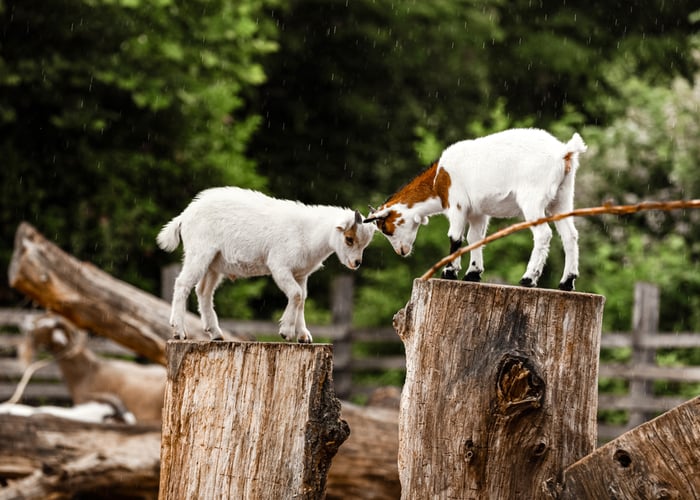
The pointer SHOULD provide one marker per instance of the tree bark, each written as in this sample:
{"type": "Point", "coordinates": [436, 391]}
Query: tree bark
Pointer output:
{"type": "Point", "coordinates": [52, 458]}
{"type": "Point", "coordinates": [248, 420]}
{"type": "Point", "coordinates": [91, 298]}
{"type": "Point", "coordinates": [501, 389]}
{"type": "Point", "coordinates": [658, 459]}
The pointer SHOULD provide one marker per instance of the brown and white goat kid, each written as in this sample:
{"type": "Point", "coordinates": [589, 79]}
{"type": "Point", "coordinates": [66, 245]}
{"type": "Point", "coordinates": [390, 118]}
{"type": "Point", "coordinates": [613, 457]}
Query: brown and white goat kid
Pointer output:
{"type": "Point", "coordinates": [241, 233]}
{"type": "Point", "coordinates": [518, 172]}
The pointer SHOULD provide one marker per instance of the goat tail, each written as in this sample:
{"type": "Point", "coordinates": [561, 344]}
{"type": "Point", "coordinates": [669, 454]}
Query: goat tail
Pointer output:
{"type": "Point", "coordinates": [169, 237]}
{"type": "Point", "coordinates": [576, 145]}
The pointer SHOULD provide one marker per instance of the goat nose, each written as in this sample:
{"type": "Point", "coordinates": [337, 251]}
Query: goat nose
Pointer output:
{"type": "Point", "coordinates": [357, 263]}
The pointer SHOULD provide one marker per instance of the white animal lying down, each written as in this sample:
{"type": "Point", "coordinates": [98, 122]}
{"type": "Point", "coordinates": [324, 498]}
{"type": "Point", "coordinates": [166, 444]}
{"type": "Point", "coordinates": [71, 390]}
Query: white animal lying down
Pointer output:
{"type": "Point", "coordinates": [519, 172]}
{"type": "Point", "coordinates": [98, 411]}
{"type": "Point", "coordinates": [241, 233]}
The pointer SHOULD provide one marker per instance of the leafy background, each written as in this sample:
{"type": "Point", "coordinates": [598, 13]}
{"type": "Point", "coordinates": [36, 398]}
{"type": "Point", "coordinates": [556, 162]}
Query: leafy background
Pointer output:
{"type": "Point", "coordinates": [115, 113]}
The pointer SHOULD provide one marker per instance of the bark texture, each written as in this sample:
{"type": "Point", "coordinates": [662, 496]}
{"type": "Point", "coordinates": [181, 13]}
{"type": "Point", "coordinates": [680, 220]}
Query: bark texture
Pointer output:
{"type": "Point", "coordinates": [658, 459]}
{"type": "Point", "coordinates": [91, 298]}
{"type": "Point", "coordinates": [248, 420]}
{"type": "Point", "coordinates": [501, 389]}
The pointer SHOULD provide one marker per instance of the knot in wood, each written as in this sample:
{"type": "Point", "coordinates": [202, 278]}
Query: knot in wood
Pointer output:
{"type": "Point", "coordinates": [519, 388]}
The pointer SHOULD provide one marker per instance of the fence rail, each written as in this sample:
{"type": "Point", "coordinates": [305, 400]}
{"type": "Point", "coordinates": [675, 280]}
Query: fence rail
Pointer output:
{"type": "Point", "coordinates": [350, 364]}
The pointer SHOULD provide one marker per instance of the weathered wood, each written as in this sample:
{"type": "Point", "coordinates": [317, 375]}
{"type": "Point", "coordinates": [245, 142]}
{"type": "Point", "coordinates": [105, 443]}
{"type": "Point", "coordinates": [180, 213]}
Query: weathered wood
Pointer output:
{"type": "Point", "coordinates": [645, 320]}
{"type": "Point", "coordinates": [365, 466]}
{"type": "Point", "coordinates": [248, 420]}
{"type": "Point", "coordinates": [501, 388]}
{"type": "Point", "coordinates": [658, 459]}
{"type": "Point", "coordinates": [48, 457]}
{"type": "Point", "coordinates": [91, 298]}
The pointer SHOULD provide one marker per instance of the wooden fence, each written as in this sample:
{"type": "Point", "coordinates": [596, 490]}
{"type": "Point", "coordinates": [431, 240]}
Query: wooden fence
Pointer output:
{"type": "Point", "coordinates": [359, 354]}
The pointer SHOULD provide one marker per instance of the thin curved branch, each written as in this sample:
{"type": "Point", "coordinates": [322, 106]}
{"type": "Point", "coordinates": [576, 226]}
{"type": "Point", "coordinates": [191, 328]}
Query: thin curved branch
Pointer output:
{"type": "Point", "coordinates": [580, 212]}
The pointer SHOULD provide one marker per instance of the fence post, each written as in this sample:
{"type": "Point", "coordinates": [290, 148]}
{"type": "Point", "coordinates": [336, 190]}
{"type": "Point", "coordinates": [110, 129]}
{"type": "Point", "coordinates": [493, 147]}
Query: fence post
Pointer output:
{"type": "Point", "coordinates": [248, 420]}
{"type": "Point", "coordinates": [645, 321]}
{"type": "Point", "coordinates": [342, 291]}
{"type": "Point", "coordinates": [501, 389]}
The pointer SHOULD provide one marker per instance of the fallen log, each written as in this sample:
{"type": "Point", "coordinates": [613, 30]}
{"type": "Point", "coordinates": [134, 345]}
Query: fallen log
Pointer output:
{"type": "Point", "coordinates": [91, 298]}
{"type": "Point", "coordinates": [37, 452]}
{"type": "Point", "coordinates": [658, 459]}
{"type": "Point", "coordinates": [48, 457]}
{"type": "Point", "coordinates": [365, 466]}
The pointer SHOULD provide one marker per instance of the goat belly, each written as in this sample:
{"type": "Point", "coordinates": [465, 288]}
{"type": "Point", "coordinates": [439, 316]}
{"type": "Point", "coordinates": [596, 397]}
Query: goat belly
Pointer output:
{"type": "Point", "coordinates": [239, 268]}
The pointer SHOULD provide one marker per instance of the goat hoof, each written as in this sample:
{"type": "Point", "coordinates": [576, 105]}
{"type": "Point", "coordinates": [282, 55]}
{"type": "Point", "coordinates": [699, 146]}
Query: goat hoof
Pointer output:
{"type": "Point", "coordinates": [449, 274]}
{"type": "Point", "coordinates": [527, 282]}
{"type": "Point", "coordinates": [568, 284]}
{"type": "Point", "coordinates": [472, 276]}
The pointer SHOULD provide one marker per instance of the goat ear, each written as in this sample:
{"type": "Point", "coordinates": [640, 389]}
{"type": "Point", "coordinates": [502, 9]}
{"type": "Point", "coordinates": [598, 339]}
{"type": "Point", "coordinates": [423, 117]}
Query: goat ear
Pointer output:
{"type": "Point", "coordinates": [420, 220]}
{"type": "Point", "coordinates": [358, 217]}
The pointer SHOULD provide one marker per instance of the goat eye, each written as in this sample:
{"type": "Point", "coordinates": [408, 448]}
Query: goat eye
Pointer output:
{"type": "Point", "coordinates": [349, 241]}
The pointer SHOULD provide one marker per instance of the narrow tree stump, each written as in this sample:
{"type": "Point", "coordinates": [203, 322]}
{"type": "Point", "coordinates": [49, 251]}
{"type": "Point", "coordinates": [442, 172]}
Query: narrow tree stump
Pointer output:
{"type": "Point", "coordinates": [91, 298]}
{"type": "Point", "coordinates": [248, 420]}
{"type": "Point", "coordinates": [501, 389]}
{"type": "Point", "coordinates": [658, 459]}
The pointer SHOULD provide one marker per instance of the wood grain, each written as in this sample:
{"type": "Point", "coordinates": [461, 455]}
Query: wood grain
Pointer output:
{"type": "Point", "coordinates": [248, 420]}
{"type": "Point", "coordinates": [501, 388]}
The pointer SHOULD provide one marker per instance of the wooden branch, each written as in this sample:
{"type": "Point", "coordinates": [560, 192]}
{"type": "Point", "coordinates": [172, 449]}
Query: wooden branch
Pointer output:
{"type": "Point", "coordinates": [249, 420]}
{"type": "Point", "coordinates": [658, 459]}
{"type": "Point", "coordinates": [581, 212]}
{"type": "Point", "coordinates": [501, 388]}
{"type": "Point", "coordinates": [49, 457]}
{"type": "Point", "coordinates": [90, 298]}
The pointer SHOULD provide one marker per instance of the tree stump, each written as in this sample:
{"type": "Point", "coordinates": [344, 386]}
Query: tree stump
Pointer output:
{"type": "Point", "coordinates": [501, 389]}
{"type": "Point", "coordinates": [248, 420]}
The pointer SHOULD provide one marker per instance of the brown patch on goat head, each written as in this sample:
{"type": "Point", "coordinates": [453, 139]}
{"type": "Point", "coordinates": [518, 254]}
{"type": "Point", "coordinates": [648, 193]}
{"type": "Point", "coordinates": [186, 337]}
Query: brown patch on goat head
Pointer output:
{"type": "Point", "coordinates": [387, 225]}
{"type": "Point", "coordinates": [567, 163]}
{"type": "Point", "coordinates": [351, 233]}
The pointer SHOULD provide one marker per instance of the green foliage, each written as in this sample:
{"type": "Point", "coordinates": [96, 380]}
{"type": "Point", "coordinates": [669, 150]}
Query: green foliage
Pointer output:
{"type": "Point", "coordinates": [113, 114]}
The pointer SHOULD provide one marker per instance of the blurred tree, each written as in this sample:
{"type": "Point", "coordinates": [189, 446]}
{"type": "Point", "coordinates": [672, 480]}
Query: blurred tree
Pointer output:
{"type": "Point", "coordinates": [114, 113]}
{"type": "Point", "coordinates": [351, 83]}
{"type": "Point", "coordinates": [554, 56]}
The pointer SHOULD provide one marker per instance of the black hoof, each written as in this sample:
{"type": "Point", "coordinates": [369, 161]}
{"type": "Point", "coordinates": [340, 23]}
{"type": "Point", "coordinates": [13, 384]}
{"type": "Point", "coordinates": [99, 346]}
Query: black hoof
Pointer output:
{"type": "Point", "coordinates": [527, 282]}
{"type": "Point", "coordinates": [568, 284]}
{"type": "Point", "coordinates": [217, 339]}
{"type": "Point", "coordinates": [472, 276]}
{"type": "Point", "coordinates": [302, 341]}
{"type": "Point", "coordinates": [449, 274]}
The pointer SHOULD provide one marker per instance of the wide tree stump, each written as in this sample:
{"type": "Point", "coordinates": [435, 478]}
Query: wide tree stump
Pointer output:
{"type": "Point", "coordinates": [501, 389]}
{"type": "Point", "coordinates": [91, 298]}
{"type": "Point", "coordinates": [248, 420]}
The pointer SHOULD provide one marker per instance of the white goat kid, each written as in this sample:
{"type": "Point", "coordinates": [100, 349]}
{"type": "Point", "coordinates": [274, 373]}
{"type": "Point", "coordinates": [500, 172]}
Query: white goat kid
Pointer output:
{"type": "Point", "coordinates": [241, 233]}
{"type": "Point", "coordinates": [519, 172]}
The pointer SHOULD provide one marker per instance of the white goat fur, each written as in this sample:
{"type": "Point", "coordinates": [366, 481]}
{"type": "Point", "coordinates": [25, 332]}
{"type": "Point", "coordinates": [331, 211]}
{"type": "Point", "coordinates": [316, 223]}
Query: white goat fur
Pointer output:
{"type": "Point", "coordinates": [241, 233]}
{"type": "Point", "coordinates": [518, 172]}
